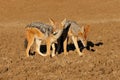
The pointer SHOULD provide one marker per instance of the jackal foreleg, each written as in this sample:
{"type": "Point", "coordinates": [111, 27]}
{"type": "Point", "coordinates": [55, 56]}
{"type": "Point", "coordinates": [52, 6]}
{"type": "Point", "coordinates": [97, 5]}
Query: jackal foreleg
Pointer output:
{"type": "Point", "coordinates": [53, 50]}
{"type": "Point", "coordinates": [48, 46]}
{"type": "Point", "coordinates": [76, 45]}
{"type": "Point", "coordinates": [65, 47]}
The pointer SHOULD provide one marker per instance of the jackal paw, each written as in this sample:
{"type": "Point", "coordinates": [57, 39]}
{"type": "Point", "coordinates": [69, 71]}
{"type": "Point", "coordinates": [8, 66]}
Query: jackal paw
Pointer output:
{"type": "Point", "coordinates": [53, 55]}
{"type": "Point", "coordinates": [81, 54]}
{"type": "Point", "coordinates": [65, 53]}
{"type": "Point", "coordinates": [28, 55]}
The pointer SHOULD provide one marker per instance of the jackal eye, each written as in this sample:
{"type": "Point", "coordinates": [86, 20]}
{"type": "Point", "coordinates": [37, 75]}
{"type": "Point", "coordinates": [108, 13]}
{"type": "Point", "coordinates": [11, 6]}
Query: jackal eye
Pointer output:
{"type": "Point", "coordinates": [54, 33]}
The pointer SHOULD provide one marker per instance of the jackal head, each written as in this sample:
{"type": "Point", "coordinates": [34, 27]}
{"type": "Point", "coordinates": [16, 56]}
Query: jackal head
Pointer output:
{"type": "Point", "coordinates": [84, 34]}
{"type": "Point", "coordinates": [57, 27]}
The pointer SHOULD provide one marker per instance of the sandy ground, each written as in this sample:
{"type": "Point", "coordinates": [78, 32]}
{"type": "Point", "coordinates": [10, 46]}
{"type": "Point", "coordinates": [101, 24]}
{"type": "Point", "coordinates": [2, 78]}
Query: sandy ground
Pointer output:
{"type": "Point", "coordinates": [100, 63]}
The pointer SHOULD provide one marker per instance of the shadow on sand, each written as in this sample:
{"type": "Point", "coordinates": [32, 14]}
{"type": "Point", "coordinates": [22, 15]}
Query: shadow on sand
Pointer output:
{"type": "Point", "coordinates": [90, 45]}
{"type": "Point", "coordinates": [71, 46]}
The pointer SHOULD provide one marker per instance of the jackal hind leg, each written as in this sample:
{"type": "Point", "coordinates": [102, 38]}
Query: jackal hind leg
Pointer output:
{"type": "Point", "coordinates": [38, 44]}
{"type": "Point", "coordinates": [30, 40]}
{"type": "Point", "coordinates": [76, 45]}
{"type": "Point", "coordinates": [48, 44]}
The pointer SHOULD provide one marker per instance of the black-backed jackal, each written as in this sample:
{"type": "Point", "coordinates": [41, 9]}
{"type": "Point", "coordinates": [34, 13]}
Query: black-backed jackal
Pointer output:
{"type": "Point", "coordinates": [38, 32]}
{"type": "Point", "coordinates": [75, 32]}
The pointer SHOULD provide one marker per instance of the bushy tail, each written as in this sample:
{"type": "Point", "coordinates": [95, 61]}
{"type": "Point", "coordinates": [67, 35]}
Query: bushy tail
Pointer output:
{"type": "Point", "coordinates": [25, 43]}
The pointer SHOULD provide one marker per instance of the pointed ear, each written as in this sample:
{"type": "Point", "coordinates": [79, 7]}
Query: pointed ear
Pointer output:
{"type": "Point", "coordinates": [52, 22]}
{"type": "Point", "coordinates": [82, 29]}
{"type": "Point", "coordinates": [63, 22]}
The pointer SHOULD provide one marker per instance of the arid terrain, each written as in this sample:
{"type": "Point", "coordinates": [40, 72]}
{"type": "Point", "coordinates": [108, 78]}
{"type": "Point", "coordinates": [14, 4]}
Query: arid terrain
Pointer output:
{"type": "Point", "coordinates": [100, 62]}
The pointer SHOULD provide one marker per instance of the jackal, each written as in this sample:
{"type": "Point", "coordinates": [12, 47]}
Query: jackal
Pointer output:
{"type": "Point", "coordinates": [38, 32]}
{"type": "Point", "coordinates": [75, 32]}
